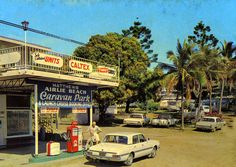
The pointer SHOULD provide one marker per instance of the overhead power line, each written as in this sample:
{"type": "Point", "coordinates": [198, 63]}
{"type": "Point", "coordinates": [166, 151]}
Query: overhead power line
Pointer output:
{"type": "Point", "coordinates": [41, 32]}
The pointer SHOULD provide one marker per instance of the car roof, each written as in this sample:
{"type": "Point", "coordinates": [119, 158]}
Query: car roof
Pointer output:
{"type": "Point", "coordinates": [211, 117]}
{"type": "Point", "coordinates": [124, 133]}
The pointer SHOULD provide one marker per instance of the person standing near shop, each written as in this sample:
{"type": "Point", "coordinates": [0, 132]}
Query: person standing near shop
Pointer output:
{"type": "Point", "coordinates": [94, 131]}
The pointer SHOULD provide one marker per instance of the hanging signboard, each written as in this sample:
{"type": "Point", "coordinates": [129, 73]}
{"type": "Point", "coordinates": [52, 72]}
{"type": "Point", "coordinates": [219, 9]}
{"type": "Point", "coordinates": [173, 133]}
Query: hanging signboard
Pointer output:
{"type": "Point", "coordinates": [48, 60]}
{"type": "Point", "coordinates": [9, 58]}
{"type": "Point", "coordinates": [79, 110]}
{"type": "Point", "coordinates": [80, 66]}
{"type": "Point", "coordinates": [63, 95]}
{"type": "Point", "coordinates": [49, 110]}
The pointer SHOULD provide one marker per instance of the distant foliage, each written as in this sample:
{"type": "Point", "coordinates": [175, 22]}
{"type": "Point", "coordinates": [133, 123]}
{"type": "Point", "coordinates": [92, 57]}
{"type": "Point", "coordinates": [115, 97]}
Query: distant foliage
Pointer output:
{"type": "Point", "coordinates": [144, 35]}
{"type": "Point", "coordinates": [201, 36]}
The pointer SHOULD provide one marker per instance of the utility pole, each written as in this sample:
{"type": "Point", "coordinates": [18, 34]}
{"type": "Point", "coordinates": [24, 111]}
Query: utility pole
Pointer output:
{"type": "Point", "coordinates": [25, 28]}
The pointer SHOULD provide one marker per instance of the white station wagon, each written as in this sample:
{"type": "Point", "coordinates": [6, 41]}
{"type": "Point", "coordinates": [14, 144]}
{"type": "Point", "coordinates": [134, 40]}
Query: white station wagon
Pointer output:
{"type": "Point", "coordinates": [123, 147]}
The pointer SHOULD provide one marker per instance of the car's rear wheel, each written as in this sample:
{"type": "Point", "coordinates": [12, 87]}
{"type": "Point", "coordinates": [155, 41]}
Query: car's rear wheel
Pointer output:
{"type": "Point", "coordinates": [129, 160]}
{"type": "Point", "coordinates": [153, 153]}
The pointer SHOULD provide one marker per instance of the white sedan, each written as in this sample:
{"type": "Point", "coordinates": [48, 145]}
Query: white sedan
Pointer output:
{"type": "Point", "coordinates": [137, 119]}
{"type": "Point", "coordinates": [210, 123]}
{"type": "Point", "coordinates": [123, 147]}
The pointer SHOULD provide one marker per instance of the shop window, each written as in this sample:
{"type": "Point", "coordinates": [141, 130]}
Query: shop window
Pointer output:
{"type": "Point", "coordinates": [18, 123]}
{"type": "Point", "coordinates": [18, 101]}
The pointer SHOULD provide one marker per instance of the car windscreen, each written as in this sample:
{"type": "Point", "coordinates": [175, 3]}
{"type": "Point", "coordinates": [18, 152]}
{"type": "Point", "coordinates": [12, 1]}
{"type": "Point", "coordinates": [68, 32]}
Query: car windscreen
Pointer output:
{"type": "Point", "coordinates": [208, 120]}
{"type": "Point", "coordinates": [163, 117]}
{"type": "Point", "coordinates": [135, 116]}
{"type": "Point", "coordinates": [116, 139]}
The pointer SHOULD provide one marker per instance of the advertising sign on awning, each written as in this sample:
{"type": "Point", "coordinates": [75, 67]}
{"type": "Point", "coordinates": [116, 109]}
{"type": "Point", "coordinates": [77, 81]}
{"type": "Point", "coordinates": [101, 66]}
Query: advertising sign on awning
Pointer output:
{"type": "Point", "coordinates": [46, 59]}
{"type": "Point", "coordinates": [80, 66]}
{"type": "Point", "coordinates": [63, 95]}
{"type": "Point", "coordinates": [107, 71]}
{"type": "Point", "coordinates": [49, 110]}
{"type": "Point", "coordinates": [79, 110]}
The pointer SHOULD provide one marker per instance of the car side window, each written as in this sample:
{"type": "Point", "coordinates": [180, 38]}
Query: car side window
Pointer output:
{"type": "Point", "coordinates": [135, 139]}
{"type": "Point", "coordinates": [142, 138]}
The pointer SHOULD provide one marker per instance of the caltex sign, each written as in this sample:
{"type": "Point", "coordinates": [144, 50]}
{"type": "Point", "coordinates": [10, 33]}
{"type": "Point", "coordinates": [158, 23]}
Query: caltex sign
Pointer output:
{"type": "Point", "coordinates": [80, 66]}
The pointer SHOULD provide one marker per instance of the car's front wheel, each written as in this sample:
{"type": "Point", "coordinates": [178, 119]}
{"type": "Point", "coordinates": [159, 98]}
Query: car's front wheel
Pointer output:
{"type": "Point", "coordinates": [213, 129]}
{"type": "Point", "coordinates": [153, 153]}
{"type": "Point", "coordinates": [129, 160]}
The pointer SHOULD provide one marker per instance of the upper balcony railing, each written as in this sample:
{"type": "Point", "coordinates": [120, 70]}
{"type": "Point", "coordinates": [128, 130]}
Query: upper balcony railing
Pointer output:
{"type": "Point", "coordinates": [14, 58]}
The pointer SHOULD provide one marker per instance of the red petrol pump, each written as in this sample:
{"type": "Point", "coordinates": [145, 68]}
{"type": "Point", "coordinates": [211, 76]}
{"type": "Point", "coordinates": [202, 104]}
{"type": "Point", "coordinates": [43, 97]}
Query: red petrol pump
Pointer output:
{"type": "Point", "coordinates": [72, 134]}
{"type": "Point", "coordinates": [74, 142]}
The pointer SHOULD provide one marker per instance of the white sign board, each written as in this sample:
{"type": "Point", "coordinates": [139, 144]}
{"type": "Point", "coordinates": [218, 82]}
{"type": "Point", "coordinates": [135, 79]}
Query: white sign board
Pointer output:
{"type": "Point", "coordinates": [80, 66]}
{"type": "Point", "coordinates": [9, 58]}
{"type": "Point", "coordinates": [48, 60]}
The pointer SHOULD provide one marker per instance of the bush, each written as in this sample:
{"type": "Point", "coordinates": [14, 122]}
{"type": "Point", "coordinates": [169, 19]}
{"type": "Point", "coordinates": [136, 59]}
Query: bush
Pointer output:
{"type": "Point", "coordinates": [151, 105]}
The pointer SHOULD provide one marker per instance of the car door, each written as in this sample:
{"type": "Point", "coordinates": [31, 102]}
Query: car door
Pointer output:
{"type": "Point", "coordinates": [137, 146]}
{"type": "Point", "coordinates": [218, 123]}
{"type": "Point", "coordinates": [146, 148]}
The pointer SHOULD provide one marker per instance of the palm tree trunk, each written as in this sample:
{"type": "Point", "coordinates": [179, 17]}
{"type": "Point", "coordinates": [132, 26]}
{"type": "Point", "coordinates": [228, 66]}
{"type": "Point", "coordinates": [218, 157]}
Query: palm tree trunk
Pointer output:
{"type": "Point", "coordinates": [210, 96]}
{"type": "Point", "coordinates": [199, 103]}
{"type": "Point", "coordinates": [127, 106]}
{"type": "Point", "coordinates": [221, 95]}
{"type": "Point", "coordinates": [210, 107]}
{"type": "Point", "coordinates": [182, 107]}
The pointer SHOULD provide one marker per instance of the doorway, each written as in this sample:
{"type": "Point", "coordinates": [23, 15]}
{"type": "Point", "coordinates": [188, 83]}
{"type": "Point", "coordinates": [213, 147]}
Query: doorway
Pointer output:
{"type": "Point", "coordinates": [1, 132]}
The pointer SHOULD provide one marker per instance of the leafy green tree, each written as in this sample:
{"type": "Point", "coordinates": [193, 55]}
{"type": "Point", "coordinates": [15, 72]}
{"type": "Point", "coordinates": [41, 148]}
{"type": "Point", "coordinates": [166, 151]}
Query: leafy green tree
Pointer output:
{"type": "Point", "coordinates": [179, 73]}
{"type": "Point", "coordinates": [134, 61]}
{"type": "Point", "coordinates": [144, 35]}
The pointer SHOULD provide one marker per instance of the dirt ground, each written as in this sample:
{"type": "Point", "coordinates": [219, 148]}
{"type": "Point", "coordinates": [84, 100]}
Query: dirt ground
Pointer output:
{"type": "Point", "coordinates": [188, 148]}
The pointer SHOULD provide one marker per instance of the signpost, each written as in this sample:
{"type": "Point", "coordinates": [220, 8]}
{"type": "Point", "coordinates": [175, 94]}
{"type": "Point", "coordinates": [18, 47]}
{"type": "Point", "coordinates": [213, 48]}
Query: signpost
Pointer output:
{"type": "Point", "coordinates": [63, 95]}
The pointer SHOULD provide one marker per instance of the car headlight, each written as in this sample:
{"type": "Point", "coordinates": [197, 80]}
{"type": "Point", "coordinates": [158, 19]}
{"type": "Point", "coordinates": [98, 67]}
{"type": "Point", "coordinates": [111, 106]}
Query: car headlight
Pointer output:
{"type": "Point", "coordinates": [117, 157]}
{"type": "Point", "coordinates": [89, 153]}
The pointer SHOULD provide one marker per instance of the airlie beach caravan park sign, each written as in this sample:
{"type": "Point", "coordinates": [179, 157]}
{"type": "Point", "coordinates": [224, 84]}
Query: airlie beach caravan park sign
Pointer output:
{"type": "Point", "coordinates": [58, 95]}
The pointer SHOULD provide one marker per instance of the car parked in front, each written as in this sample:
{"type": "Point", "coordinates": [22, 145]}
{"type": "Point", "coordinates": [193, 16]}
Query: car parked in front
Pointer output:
{"type": "Point", "coordinates": [137, 119]}
{"type": "Point", "coordinates": [123, 147]}
{"type": "Point", "coordinates": [210, 123]}
{"type": "Point", "coordinates": [164, 120]}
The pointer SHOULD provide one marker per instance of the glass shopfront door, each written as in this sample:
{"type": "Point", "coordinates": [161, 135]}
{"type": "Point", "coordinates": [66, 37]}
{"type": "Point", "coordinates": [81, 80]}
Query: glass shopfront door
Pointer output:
{"type": "Point", "coordinates": [1, 132]}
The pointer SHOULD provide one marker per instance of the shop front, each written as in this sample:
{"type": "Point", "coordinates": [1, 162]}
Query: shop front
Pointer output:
{"type": "Point", "coordinates": [35, 80]}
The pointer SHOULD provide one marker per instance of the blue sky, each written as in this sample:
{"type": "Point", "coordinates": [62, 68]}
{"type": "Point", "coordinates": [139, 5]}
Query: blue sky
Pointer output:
{"type": "Point", "coordinates": [169, 20]}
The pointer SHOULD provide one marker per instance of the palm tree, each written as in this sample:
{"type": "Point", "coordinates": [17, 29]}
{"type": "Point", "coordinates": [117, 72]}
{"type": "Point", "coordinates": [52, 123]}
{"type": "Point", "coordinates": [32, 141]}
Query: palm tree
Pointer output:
{"type": "Point", "coordinates": [228, 62]}
{"type": "Point", "coordinates": [180, 72]}
{"type": "Point", "coordinates": [206, 62]}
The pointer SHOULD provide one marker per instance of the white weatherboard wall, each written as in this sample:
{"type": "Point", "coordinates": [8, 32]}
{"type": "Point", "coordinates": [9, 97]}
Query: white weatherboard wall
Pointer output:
{"type": "Point", "coordinates": [3, 125]}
